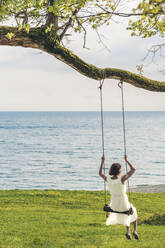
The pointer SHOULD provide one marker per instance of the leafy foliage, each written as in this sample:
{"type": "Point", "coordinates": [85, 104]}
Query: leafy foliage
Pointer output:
{"type": "Point", "coordinates": [151, 20]}
{"type": "Point", "coordinates": [62, 18]}
{"type": "Point", "coordinates": [56, 15]}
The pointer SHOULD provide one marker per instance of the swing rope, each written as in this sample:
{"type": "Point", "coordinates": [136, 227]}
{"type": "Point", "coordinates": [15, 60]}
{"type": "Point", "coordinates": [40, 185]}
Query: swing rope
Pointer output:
{"type": "Point", "coordinates": [120, 84]}
{"type": "Point", "coordinates": [106, 207]}
{"type": "Point", "coordinates": [102, 131]}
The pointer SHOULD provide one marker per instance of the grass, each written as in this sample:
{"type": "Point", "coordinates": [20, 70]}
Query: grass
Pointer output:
{"type": "Point", "coordinates": [57, 219]}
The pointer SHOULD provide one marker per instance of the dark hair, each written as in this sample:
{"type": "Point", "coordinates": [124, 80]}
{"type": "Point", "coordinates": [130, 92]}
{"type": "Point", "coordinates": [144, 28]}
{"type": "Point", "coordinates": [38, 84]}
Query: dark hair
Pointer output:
{"type": "Point", "coordinates": [114, 170]}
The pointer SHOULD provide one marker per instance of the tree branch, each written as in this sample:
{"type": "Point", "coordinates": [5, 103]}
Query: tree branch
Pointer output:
{"type": "Point", "coordinates": [33, 39]}
{"type": "Point", "coordinates": [51, 18]}
{"type": "Point", "coordinates": [36, 38]}
{"type": "Point", "coordinates": [121, 14]}
{"type": "Point", "coordinates": [68, 24]}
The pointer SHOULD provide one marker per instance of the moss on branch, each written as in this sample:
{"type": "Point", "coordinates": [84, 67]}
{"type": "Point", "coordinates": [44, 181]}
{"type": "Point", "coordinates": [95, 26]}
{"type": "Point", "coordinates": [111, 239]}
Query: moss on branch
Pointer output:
{"type": "Point", "coordinates": [33, 39]}
{"type": "Point", "coordinates": [37, 38]}
{"type": "Point", "coordinates": [91, 71]}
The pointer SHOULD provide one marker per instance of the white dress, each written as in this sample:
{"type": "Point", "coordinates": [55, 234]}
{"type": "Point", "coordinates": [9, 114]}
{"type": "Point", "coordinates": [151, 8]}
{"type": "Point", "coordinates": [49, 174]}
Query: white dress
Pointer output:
{"type": "Point", "coordinates": [119, 202]}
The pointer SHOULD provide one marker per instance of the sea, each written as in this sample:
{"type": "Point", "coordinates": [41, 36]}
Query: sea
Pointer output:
{"type": "Point", "coordinates": [63, 150]}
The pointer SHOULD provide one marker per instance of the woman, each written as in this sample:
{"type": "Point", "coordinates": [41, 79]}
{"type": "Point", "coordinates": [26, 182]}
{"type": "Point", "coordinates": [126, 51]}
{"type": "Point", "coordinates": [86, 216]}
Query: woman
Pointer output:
{"type": "Point", "coordinates": [119, 200]}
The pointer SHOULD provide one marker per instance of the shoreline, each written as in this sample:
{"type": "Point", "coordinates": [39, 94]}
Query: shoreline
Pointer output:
{"type": "Point", "coordinates": [157, 188]}
{"type": "Point", "coordinates": [160, 188]}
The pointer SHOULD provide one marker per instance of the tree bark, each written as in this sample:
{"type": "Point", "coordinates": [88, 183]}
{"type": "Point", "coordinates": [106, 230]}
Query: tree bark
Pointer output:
{"type": "Point", "coordinates": [38, 39]}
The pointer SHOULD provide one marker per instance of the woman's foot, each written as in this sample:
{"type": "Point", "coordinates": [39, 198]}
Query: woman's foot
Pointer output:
{"type": "Point", "coordinates": [128, 236]}
{"type": "Point", "coordinates": [136, 236]}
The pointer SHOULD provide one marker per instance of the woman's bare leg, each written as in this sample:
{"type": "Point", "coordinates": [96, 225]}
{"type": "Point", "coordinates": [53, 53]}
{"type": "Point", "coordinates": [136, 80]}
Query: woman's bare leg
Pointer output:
{"type": "Point", "coordinates": [135, 230]}
{"type": "Point", "coordinates": [135, 226]}
{"type": "Point", "coordinates": [128, 234]}
{"type": "Point", "coordinates": [128, 229]}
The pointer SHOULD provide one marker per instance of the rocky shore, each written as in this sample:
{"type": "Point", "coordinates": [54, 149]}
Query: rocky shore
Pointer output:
{"type": "Point", "coordinates": [149, 188]}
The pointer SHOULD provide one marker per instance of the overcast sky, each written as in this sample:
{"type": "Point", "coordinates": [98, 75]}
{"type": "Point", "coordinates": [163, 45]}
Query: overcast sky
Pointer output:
{"type": "Point", "coordinates": [35, 81]}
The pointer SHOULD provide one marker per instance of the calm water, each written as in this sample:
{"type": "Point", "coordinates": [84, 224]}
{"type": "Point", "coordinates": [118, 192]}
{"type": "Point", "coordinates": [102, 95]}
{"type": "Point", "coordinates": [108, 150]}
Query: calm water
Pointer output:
{"type": "Point", "coordinates": [62, 150]}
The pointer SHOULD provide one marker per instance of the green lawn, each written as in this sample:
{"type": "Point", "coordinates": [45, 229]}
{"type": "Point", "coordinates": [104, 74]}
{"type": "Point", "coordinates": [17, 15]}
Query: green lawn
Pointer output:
{"type": "Point", "coordinates": [54, 218]}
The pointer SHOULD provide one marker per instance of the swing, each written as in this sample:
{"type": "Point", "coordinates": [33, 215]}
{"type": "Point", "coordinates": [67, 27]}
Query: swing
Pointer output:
{"type": "Point", "coordinates": [106, 207]}
{"type": "Point", "coordinates": [109, 209]}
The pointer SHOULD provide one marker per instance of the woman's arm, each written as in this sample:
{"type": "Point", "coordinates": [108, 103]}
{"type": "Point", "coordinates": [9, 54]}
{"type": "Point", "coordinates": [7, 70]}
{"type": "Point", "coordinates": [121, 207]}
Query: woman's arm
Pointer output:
{"type": "Point", "coordinates": [129, 173]}
{"type": "Point", "coordinates": [101, 168]}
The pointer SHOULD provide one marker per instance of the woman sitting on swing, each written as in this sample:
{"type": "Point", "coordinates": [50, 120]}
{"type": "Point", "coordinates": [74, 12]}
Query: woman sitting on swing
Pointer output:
{"type": "Point", "coordinates": [119, 200]}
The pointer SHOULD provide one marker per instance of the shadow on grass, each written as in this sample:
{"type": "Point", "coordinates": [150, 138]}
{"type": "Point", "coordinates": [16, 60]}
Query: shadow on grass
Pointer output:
{"type": "Point", "coordinates": [156, 220]}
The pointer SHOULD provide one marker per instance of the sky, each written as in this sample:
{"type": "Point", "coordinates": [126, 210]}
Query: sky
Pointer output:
{"type": "Point", "coordinates": [32, 80]}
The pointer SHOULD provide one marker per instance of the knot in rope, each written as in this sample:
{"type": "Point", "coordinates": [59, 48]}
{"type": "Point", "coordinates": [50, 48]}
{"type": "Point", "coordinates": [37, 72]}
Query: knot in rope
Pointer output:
{"type": "Point", "coordinates": [120, 84]}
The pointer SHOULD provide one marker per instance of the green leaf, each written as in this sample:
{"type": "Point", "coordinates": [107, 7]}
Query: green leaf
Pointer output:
{"type": "Point", "coordinates": [10, 35]}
